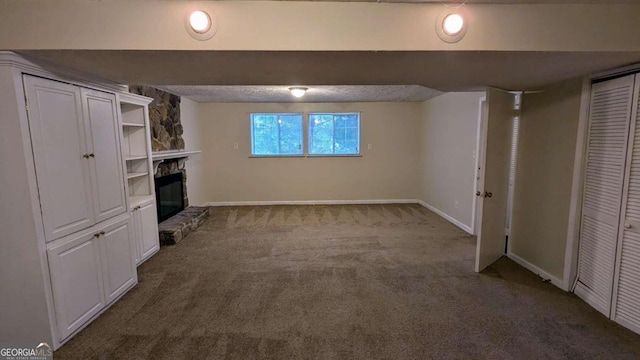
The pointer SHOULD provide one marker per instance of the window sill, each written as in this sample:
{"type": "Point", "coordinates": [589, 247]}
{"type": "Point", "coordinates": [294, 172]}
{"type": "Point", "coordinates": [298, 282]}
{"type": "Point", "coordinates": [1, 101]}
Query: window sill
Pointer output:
{"type": "Point", "coordinates": [302, 156]}
{"type": "Point", "coordinates": [333, 155]}
{"type": "Point", "coordinates": [277, 156]}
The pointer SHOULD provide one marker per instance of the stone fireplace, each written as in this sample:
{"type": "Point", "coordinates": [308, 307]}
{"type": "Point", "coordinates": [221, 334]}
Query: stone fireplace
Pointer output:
{"type": "Point", "coordinates": [166, 138]}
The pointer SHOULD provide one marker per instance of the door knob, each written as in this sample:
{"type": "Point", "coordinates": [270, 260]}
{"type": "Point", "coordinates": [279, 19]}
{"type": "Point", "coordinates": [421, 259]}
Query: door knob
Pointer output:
{"type": "Point", "coordinates": [627, 226]}
{"type": "Point", "coordinates": [478, 193]}
{"type": "Point", "coordinates": [488, 194]}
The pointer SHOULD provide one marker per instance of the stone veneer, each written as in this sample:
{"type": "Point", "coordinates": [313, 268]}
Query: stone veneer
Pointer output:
{"type": "Point", "coordinates": [164, 118]}
{"type": "Point", "coordinates": [174, 229]}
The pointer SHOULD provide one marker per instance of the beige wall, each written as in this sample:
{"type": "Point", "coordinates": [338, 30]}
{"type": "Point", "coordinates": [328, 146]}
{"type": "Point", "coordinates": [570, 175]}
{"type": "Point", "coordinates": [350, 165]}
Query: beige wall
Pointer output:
{"type": "Point", "coordinates": [448, 137]}
{"type": "Point", "coordinates": [388, 171]}
{"type": "Point", "coordinates": [544, 173]}
{"type": "Point", "coordinates": [191, 123]}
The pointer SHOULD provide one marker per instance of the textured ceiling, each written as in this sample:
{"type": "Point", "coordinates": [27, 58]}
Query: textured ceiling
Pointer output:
{"type": "Point", "coordinates": [353, 93]}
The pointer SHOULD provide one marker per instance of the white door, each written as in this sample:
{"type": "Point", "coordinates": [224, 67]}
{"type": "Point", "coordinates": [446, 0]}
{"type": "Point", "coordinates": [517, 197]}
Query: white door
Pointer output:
{"type": "Point", "coordinates": [609, 119]}
{"type": "Point", "coordinates": [60, 154]}
{"type": "Point", "coordinates": [76, 280]}
{"type": "Point", "coordinates": [149, 225]}
{"type": "Point", "coordinates": [495, 173]}
{"type": "Point", "coordinates": [103, 139]}
{"type": "Point", "coordinates": [626, 296]}
{"type": "Point", "coordinates": [118, 265]}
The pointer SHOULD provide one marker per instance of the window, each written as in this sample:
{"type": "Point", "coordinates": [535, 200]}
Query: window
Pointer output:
{"type": "Point", "coordinates": [334, 134]}
{"type": "Point", "coordinates": [276, 134]}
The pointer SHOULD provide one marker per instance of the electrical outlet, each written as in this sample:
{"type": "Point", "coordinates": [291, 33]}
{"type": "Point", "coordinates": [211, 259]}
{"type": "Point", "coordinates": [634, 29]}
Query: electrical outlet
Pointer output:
{"type": "Point", "coordinates": [235, 145]}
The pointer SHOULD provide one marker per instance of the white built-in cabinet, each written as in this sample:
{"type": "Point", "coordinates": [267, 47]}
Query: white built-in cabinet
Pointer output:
{"type": "Point", "coordinates": [89, 270]}
{"type": "Point", "coordinates": [609, 248]}
{"type": "Point", "coordinates": [77, 153]}
{"type": "Point", "coordinates": [87, 158]}
{"type": "Point", "coordinates": [139, 173]}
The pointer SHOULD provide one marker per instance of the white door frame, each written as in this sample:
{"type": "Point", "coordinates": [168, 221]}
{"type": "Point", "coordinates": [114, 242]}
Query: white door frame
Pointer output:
{"type": "Point", "coordinates": [480, 137]}
{"type": "Point", "coordinates": [570, 274]}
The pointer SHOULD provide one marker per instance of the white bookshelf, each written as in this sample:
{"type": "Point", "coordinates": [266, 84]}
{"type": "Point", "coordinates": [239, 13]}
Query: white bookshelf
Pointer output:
{"type": "Point", "coordinates": [137, 148]}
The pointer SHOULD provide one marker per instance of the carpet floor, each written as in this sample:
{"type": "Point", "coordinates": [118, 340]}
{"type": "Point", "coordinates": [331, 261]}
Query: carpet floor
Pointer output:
{"type": "Point", "coordinates": [341, 282]}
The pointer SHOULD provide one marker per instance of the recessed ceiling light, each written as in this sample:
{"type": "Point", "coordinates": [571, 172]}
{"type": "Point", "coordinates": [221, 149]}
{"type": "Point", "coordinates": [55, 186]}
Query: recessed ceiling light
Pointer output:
{"type": "Point", "coordinates": [453, 24]}
{"type": "Point", "coordinates": [200, 21]}
{"type": "Point", "coordinates": [298, 91]}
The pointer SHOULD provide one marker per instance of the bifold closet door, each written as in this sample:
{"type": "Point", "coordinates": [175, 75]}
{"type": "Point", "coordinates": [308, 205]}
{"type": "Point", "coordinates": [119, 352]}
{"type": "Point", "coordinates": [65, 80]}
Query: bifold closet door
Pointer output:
{"type": "Point", "coordinates": [626, 288]}
{"type": "Point", "coordinates": [609, 120]}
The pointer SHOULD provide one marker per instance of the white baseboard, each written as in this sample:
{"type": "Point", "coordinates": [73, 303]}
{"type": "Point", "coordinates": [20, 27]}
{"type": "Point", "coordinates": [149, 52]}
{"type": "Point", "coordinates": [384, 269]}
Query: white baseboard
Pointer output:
{"type": "Point", "coordinates": [447, 217]}
{"type": "Point", "coordinates": [536, 270]}
{"type": "Point", "coordinates": [312, 202]}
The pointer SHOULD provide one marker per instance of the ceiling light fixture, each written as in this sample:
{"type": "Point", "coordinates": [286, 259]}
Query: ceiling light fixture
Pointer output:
{"type": "Point", "coordinates": [298, 91]}
{"type": "Point", "coordinates": [451, 26]}
{"type": "Point", "coordinates": [200, 24]}
{"type": "Point", "coordinates": [200, 21]}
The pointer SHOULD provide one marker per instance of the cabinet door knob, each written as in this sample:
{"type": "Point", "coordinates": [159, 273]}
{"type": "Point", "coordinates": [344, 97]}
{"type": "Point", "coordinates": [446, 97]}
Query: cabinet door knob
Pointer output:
{"type": "Point", "coordinates": [102, 232]}
{"type": "Point", "coordinates": [627, 226]}
{"type": "Point", "coordinates": [92, 155]}
{"type": "Point", "coordinates": [86, 156]}
{"type": "Point", "coordinates": [96, 234]}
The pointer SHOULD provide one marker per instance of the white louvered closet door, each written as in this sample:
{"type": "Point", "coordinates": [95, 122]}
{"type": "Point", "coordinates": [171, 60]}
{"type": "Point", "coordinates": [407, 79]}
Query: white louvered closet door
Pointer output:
{"type": "Point", "coordinates": [626, 289]}
{"type": "Point", "coordinates": [609, 119]}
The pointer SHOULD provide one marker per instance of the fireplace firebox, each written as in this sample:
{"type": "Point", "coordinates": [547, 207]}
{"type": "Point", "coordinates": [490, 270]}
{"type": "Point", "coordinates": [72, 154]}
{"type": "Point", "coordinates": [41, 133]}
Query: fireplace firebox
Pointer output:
{"type": "Point", "coordinates": [169, 196]}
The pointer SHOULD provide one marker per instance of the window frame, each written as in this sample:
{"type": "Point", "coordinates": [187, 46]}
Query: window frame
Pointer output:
{"type": "Point", "coordinates": [252, 135]}
{"type": "Point", "coordinates": [333, 113]}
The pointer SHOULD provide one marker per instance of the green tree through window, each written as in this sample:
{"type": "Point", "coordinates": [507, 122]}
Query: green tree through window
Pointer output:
{"type": "Point", "coordinates": [276, 134]}
{"type": "Point", "coordinates": [334, 133]}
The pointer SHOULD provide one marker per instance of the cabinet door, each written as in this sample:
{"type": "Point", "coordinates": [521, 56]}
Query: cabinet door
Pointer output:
{"type": "Point", "coordinates": [103, 138]}
{"type": "Point", "coordinates": [76, 280]}
{"type": "Point", "coordinates": [59, 146]}
{"type": "Point", "coordinates": [118, 265]}
{"type": "Point", "coordinates": [149, 241]}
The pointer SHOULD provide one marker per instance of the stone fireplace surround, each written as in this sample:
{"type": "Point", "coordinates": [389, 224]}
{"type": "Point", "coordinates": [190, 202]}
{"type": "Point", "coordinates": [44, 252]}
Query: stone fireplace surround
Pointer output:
{"type": "Point", "coordinates": [166, 135]}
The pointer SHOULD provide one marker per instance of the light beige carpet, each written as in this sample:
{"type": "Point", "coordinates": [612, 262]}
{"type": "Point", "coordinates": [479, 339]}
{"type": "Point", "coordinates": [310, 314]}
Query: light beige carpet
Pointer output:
{"type": "Point", "coordinates": [342, 282]}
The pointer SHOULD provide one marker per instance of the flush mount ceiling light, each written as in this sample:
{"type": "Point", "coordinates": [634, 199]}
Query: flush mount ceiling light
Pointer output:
{"type": "Point", "coordinates": [200, 24]}
{"type": "Point", "coordinates": [451, 26]}
{"type": "Point", "coordinates": [298, 91]}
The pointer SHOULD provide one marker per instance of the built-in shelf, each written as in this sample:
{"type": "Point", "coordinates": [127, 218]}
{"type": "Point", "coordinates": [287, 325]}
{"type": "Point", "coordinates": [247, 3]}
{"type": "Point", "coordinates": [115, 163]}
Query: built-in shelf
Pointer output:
{"type": "Point", "coordinates": [136, 157]}
{"type": "Point", "coordinates": [137, 200]}
{"type": "Point", "coordinates": [134, 175]}
{"type": "Point", "coordinates": [133, 125]}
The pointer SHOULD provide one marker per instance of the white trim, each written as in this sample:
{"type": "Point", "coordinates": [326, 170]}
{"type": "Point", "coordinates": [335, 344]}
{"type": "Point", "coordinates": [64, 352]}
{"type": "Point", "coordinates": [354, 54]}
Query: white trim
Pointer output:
{"type": "Point", "coordinates": [447, 217]}
{"type": "Point", "coordinates": [575, 205]}
{"type": "Point", "coordinates": [476, 172]}
{"type": "Point", "coordinates": [311, 202]}
{"type": "Point", "coordinates": [536, 270]}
